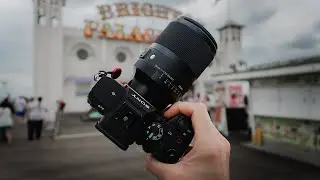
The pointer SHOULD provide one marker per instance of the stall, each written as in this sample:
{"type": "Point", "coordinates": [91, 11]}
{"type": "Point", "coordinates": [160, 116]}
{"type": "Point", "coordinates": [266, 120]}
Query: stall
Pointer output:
{"type": "Point", "coordinates": [284, 101]}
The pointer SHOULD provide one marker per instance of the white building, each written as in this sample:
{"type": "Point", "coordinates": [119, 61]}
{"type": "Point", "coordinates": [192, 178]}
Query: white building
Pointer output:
{"type": "Point", "coordinates": [284, 96]}
{"type": "Point", "coordinates": [228, 57]}
{"type": "Point", "coordinates": [66, 61]}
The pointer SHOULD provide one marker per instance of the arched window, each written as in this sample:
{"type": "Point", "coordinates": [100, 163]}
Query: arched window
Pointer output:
{"type": "Point", "coordinates": [82, 54]}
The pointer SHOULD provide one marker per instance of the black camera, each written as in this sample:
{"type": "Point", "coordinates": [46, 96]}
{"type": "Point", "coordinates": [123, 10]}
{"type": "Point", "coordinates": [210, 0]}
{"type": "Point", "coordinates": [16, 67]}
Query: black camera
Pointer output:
{"type": "Point", "coordinates": [164, 72]}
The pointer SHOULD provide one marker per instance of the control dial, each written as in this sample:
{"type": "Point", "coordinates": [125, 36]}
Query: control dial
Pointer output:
{"type": "Point", "coordinates": [154, 131]}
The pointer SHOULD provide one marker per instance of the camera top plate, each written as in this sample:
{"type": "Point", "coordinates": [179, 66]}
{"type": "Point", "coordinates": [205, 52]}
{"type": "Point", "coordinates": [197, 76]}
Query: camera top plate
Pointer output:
{"type": "Point", "coordinates": [106, 94]}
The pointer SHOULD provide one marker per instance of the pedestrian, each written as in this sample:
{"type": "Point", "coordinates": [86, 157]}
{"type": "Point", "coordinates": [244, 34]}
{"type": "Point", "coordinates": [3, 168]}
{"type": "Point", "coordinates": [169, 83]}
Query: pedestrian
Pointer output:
{"type": "Point", "coordinates": [6, 121]}
{"type": "Point", "coordinates": [20, 108]}
{"type": "Point", "coordinates": [8, 103]}
{"type": "Point", "coordinates": [58, 118]}
{"type": "Point", "coordinates": [36, 115]}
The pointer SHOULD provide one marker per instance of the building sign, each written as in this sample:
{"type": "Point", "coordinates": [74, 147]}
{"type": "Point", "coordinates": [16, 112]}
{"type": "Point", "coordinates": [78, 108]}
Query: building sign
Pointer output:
{"type": "Point", "coordinates": [105, 30]}
{"type": "Point", "coordinates": [83, 88]}
{"type": "Point", "coordinates": [109, 11]}
{"type": "Point", "coordinates": [219, 94]}
{"type": "Point", "coordinates": [236, 95]}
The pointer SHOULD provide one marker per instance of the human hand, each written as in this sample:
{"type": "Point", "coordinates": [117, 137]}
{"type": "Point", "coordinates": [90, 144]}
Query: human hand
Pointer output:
{"type": "Point", "coordinates": [209, 157]}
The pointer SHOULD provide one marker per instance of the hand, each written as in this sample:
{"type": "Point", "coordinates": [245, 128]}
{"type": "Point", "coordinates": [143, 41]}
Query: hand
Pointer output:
{"type": "Point", "coordinates": [209, 157]}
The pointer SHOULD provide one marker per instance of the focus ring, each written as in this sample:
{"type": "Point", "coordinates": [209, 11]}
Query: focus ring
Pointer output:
{"type": "Point", "coordinates": [160, 78]}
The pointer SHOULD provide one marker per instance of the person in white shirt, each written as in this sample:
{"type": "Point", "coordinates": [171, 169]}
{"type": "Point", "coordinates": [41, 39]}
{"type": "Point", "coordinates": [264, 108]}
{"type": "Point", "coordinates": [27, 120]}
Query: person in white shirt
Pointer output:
{"type": "Point", "coordinates": [36, 114]}
{"type": "Point", "coordinates": [6, 122]}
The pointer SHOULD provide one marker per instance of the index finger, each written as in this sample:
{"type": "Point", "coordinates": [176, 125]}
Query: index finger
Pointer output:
{"type": "Point", "coordinates": [196, 111]}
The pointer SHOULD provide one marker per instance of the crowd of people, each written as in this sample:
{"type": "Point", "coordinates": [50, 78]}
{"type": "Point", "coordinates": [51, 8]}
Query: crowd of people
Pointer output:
{"type": "Point", "coordinates": [30, 111]}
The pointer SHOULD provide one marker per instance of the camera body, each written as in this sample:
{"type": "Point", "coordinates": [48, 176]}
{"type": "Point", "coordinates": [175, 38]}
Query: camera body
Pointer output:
{"type": "Point", "coordinates": [164, 72]}
{"type": "Point", "coordinates": [129, 118]}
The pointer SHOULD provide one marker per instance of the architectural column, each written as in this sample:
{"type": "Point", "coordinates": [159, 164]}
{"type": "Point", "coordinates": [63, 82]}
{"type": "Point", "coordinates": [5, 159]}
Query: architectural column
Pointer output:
{"type": "Point", "coordinates": [251, 119]}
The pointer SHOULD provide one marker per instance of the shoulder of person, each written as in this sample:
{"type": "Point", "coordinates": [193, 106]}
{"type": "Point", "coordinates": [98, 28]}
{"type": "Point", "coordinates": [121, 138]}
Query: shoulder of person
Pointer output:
{"type": "Point", "coordinates": [5, 110]}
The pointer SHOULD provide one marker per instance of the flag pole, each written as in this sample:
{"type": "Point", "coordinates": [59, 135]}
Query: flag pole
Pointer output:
{"type": "Point", "coordinates": [228, 10]}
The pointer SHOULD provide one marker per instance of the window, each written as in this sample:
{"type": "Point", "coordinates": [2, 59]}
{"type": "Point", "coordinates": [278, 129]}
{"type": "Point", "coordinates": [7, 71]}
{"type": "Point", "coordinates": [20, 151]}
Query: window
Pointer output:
{"type": "Point", "coordinates": [83, 88]}
{"type": "Point", "coordinates": [82, 54]}
{"type": "Point", "coordinates": [121, 57]}
{"type": "Point", "coordinates": [234, 31]}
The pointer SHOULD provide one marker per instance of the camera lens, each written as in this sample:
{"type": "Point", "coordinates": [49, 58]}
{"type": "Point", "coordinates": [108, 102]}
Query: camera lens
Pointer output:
{"type": "Point", "coordinates": [167, 69]}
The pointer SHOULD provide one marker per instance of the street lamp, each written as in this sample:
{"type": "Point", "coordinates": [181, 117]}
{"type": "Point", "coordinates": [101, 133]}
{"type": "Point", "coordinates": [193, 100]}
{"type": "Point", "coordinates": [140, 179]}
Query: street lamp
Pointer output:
{"type": "Point", "coordinates": [233, 67]}
{"type": "Point", "coordinates": [243, 63]}
{"type": "Point", "coordinates": [4, 86]}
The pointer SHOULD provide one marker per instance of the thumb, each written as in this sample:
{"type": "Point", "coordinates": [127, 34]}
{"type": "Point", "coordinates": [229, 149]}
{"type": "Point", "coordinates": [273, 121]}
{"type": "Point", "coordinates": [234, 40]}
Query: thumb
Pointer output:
{"type": "Point", "coordinates": [156, 167]}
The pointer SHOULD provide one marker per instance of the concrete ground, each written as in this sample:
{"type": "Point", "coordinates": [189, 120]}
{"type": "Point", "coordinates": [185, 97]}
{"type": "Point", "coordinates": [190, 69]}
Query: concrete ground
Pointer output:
{"type": "Point", "coordinates": [87, 155]}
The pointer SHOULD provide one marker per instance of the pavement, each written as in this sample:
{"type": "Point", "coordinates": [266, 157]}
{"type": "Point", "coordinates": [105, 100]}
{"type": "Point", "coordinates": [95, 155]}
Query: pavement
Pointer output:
{"type": "Point", "coordinates": [81, 154]}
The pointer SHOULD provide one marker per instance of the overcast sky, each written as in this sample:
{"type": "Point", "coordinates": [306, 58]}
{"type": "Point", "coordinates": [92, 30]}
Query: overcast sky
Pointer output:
{"type": "Point", "coordinates": [274, 30]}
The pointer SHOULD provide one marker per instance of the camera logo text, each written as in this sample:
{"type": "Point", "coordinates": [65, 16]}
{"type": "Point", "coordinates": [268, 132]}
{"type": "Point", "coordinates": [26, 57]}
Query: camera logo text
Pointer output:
{"type": "Point", "coordinates": [140, 101]}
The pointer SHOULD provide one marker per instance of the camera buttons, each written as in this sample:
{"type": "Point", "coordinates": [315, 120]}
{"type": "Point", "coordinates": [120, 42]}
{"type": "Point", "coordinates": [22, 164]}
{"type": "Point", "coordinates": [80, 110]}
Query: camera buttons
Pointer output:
{"type": "Point", "coordinates": [144, 53]}
{"type": "Point", "coordinates": [182, 124]}
{"type": "Point", "coordinates": [152, 56]}
{"type": "Point", "coordinates": [172, 153]}
{"type": "Point", "coordinates": [179, 140]}
{"type": "Point", "coordinates": [155, 131]}
{"type": "Point", "coordinates": [127, 119]}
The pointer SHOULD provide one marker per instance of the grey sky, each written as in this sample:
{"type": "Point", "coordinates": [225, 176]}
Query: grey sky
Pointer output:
{"type": "Point", "coordinates": [274, 30]}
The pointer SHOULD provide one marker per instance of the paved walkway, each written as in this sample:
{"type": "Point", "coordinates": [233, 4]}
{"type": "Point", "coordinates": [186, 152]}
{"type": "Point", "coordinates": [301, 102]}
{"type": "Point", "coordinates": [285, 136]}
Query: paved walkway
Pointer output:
{"type": "Point", "coordinates": [94, 157]}
{"type": "Point", "coordinates": [311, 156]}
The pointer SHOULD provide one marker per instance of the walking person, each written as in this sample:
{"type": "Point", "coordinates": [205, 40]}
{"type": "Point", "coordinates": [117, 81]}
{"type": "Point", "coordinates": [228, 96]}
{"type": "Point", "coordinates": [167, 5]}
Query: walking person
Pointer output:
{"type": "Point", "coordinates": [36, 115]}
{"type": "Point", "coordinates": [58, 118]}
{"type": "Point", "coordinates": [20, 104]}
{"type": "Point", "coordinates": [6, 121]}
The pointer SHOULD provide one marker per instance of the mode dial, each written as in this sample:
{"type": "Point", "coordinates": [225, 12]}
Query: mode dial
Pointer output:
{"type": "Point", "coordinates": [154, 131]}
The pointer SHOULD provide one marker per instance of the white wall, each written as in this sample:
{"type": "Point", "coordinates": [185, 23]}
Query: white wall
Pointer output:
{"type": "Point", "coordinates": [300, 101]}
{"type": "Point", "coordinates": [102, 56]}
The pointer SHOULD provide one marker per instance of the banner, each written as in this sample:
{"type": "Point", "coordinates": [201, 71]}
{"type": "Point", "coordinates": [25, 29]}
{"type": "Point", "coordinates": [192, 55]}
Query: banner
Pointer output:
{"type": "Point", "coordinates": [219, 94]}
{"type": "Point", "coordinates": [302, 133]}
{"type": "Point", "coordinates": [235, 95]}
{"type": "Point", "coordinates": [83, 89]}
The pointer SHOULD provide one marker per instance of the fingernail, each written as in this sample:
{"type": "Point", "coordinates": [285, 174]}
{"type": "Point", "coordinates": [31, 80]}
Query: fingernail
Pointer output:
{"type": "Point", "coordinates": [167, 107]}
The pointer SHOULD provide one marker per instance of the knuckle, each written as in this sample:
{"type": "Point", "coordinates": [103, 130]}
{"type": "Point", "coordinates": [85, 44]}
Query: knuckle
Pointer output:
{"type": "Point", "coordinates": [202, 106]}
{"type": "Point", "coordinates": [223, 147]}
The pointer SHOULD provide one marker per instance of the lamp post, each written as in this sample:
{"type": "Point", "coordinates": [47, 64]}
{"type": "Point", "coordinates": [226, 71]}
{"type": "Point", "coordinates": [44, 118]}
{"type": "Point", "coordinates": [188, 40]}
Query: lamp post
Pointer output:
{"type": "Point", "coordinates": [4, 86]}
{"type": "Point", "coordinates": [228, 18]}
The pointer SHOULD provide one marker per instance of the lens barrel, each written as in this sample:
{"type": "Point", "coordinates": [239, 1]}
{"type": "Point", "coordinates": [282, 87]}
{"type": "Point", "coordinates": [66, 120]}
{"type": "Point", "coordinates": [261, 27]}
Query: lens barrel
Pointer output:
{"type": "Point", "coordinates": [167, 69]}
{"type": "Point", "coordinates": [191, 42]}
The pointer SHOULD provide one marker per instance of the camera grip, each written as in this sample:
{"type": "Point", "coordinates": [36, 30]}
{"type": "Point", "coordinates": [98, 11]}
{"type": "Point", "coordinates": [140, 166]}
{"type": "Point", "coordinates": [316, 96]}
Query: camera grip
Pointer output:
{"type": "Point", "coordinates": [175, 137]}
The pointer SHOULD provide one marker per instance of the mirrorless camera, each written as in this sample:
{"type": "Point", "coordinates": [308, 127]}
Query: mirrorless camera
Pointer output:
{"type": "Point", "coordinates": [164, 72]}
